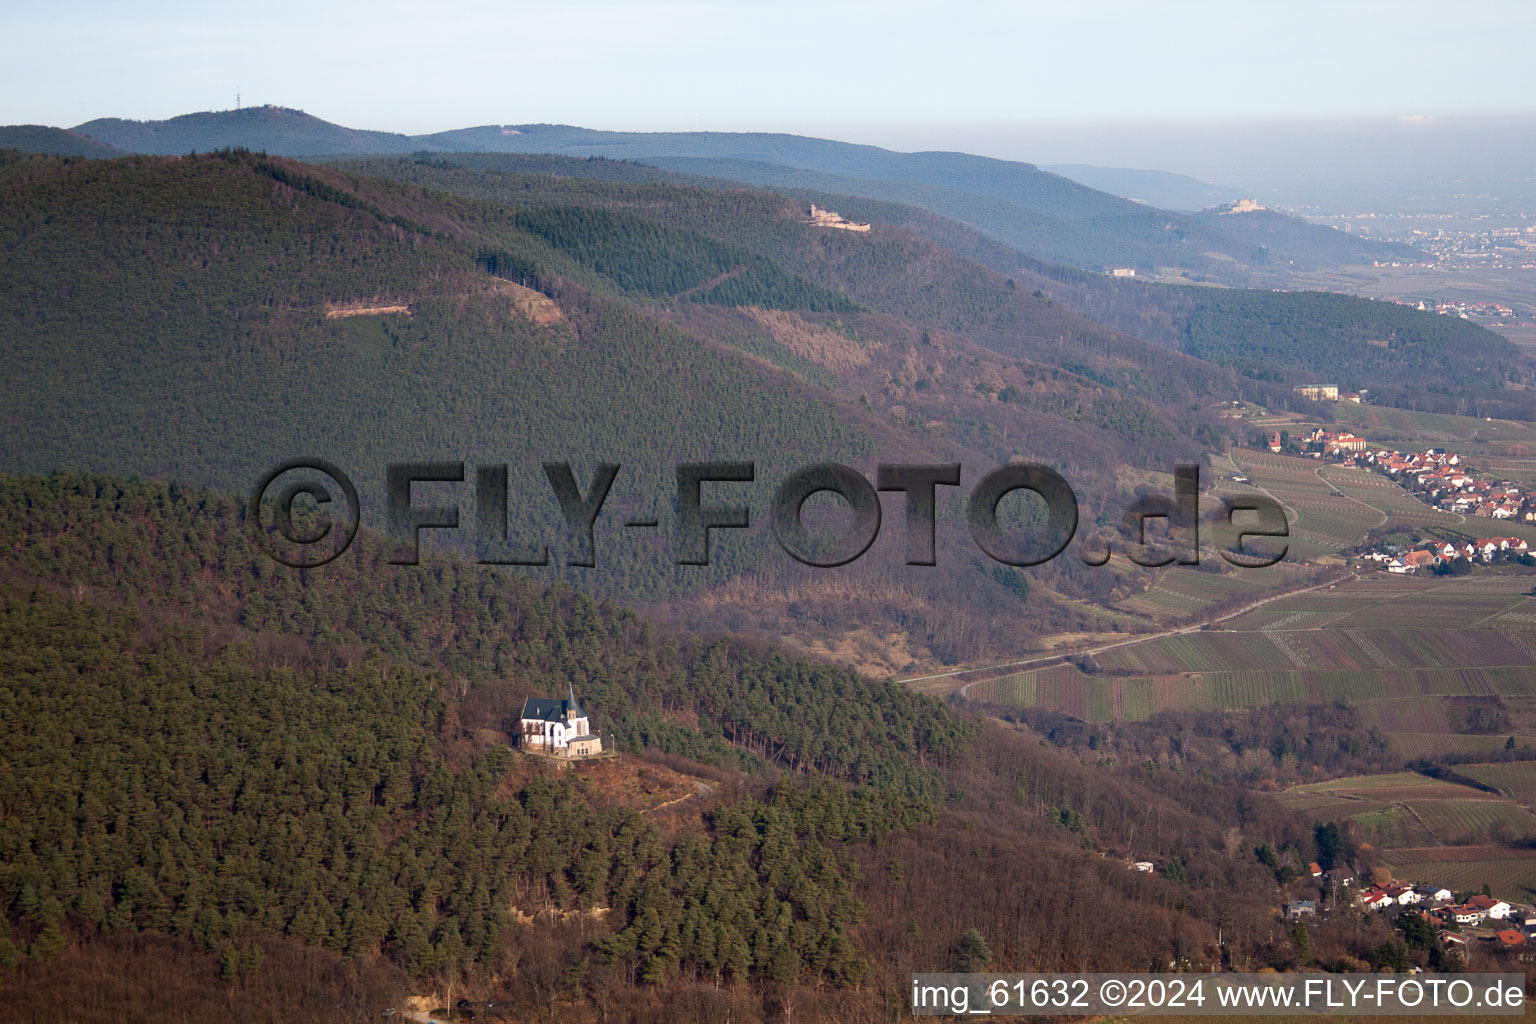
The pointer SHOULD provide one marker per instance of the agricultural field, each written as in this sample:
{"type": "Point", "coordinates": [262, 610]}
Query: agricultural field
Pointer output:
{"type": "Point", "coordinates": [1106, 698]}
{"type": "Point", "coordinates": [1517, 780]}
{"type": "Point", "coordinates": [1458, 821]}
{"type": "Point", "coordinates": [1515, 470]}
{"type": "Point", "coordinates": [1323, 519]}
{"type": "Point", "coordinates": [1386, 644]}
{"type": "Point", "coordinates": [1332, 506]}
{"type": "Point", "coordinates": [1381, 493]}
{"type": "Point", "coordinates": [1179, 593]}
{"type": "Point", "coordinates": [1397, 428]}
{"type": "Point", "coordinates": [1388, 786]}
{"type": "Point", "coordinates": [1413, 745]}
{"type": "Point", "coordinates": [1341, 647]}
{"type": "Point", "coordinates": [1415, 820]}
{"type": "Point", "coordinates": [1511, 878]}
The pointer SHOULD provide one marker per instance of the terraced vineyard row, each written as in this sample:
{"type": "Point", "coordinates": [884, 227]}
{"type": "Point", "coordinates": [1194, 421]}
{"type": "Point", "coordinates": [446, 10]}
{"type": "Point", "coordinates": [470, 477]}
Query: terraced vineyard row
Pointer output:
{"type": "Point", "coordinates": [1427, 744]}
{"type": "Point", "coordinates": [1517, 780]}
{"type": "Point", "coordinates": [1381, 492]}
{"type": "Point", "coordinates": [1509, 878]}
{"type": "Point", "coordinates": [1455, 820]}
{"type": "Point", "coordinates": [1423, 828]}
{"type": "Point", "coordinates": [1387, 786]}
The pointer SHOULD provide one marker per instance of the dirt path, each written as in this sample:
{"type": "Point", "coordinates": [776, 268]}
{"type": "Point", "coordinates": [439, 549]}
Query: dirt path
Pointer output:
{"type": "Point", "coordinates": [1385, 515]}
{"type": "Point", "coordinates": [714, 282]}
{"type": "Point", "coordinates": [1341, 492]}
{"type": "Point", "coordinates": [346, 311]}
{"type": "Point", "coordinates": [704, 790]}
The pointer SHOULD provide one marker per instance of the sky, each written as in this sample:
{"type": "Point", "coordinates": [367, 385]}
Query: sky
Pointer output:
{"type": "Point", "coordinates": [1005, 79]}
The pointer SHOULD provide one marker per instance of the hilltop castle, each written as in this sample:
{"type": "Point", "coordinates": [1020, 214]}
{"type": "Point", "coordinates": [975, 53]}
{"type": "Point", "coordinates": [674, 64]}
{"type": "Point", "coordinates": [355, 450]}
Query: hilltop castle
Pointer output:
{"type": "Point", "coordinates": [831, 219]}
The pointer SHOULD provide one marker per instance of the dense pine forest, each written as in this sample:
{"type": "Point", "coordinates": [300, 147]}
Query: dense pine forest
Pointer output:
{"type": "Point", "coordinates": [206, 746]}
{"type": "Point", "coordinates": [154, 301]}
{"type": "Point", "coordinates": [297, 786]}
{"type": "Point", "coordinates": [1265, 335]}
{"type": "Point", "coordinates": [1032, 210]}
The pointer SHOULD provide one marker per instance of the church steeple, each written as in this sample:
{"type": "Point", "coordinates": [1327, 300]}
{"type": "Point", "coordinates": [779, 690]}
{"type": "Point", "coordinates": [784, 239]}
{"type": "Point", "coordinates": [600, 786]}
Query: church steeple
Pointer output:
{"type": "Point", "coordinates": [573, 709]}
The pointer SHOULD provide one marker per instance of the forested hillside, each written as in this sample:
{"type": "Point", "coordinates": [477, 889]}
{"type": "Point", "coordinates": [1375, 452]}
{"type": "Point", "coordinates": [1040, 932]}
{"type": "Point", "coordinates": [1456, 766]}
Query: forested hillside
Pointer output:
{"type": "Point", "coordinates": [36, 138]}
{"type": "Point", "coordinates": [1273, 339]}
{"type": "Point", "coordinates": [160, 674]}
{"type": "Point", "coordinates": [1044, 214]}
{"type": "Point", "coordinates": [268, 311]}
{"type": "Point", "coordinates": [893, 271]}
{"type": "Point", "coordinates": [1406, 358]}
{"type": "Point", "coordinates": [269, 128]}
{"type": "Point", "coordinates": [256, 761]}
{"type": "Point", "coordinates": [195, 294]}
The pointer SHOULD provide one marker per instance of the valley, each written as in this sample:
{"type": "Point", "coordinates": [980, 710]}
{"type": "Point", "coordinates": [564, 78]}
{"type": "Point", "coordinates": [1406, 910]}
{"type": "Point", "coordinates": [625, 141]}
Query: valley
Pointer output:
{"type": "Point", "coordinates": [238, 789]}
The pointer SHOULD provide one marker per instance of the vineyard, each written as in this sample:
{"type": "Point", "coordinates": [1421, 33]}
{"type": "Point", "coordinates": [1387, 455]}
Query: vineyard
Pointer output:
{"type": "Point", "coordinates": [1457, 821]}
{"type": "Point", "coordinates": [1103, 698]}
{"type": "Point", "coordinates": [1416, 820]}
{"type": "Point", "coordinates": [1516, 780]}
{"type": "Point", "coordinates": [1392, 499]}
{"type": "Point", "coordinates": [1430, 744]}
{"type": "Point", "coordinates": [1380, 642]}
{"type": "Point", "coordinates": [1388, 786]}
{"type": "Point", "coordinates": [1332, 506]}
{"type": "Point", "coordinates": [1185, 592]}
{"type": "Point", "coordinates": [1323, 520]}
{"type": "Point", "coordinates": [1512, 878]}
{"type": "Point", "coordinates": [1399, 428]}
{"type": "Point", "coordinates": [1338, 647]}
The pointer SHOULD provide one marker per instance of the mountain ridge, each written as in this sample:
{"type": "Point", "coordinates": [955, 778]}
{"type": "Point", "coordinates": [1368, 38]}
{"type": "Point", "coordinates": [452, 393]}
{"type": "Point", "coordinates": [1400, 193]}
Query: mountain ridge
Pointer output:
{"type": "Point", "coordinates": [1057, 218]}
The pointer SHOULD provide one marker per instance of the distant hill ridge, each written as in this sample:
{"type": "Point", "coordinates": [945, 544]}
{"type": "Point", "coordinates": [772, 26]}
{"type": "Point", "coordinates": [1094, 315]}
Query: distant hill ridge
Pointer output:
{"type": "Point", "coordinates": [39, 138]}
{"type": "Point", "coordinates": [1158, 188]}
{"type": "Point", "coordinates": [278, 130]}
{"type": "Point", "coordinates": [1040, 213]}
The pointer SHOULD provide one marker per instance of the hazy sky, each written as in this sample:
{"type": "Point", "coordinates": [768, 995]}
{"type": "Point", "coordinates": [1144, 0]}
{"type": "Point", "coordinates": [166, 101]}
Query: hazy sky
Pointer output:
{"type": "Point", "coordinates": [902, 74]}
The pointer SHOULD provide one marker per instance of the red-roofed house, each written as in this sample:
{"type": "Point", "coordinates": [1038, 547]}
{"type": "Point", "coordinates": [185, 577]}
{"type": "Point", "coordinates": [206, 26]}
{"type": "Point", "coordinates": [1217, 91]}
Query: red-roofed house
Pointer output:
{"type": "Point", "coordinates": [1374, 899]}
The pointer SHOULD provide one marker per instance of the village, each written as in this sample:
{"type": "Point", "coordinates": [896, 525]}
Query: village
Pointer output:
{"type": "Point", "coordinates": [1442, 481]}
{"type": "Point", "coordinates": [1463, 921]}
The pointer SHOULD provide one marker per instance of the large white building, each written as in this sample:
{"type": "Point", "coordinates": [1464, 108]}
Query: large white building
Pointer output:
{"type": "Point", "coordinates": [555, 726]}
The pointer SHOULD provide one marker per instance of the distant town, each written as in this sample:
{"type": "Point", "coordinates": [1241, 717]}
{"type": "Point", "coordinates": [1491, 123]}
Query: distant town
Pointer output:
{"type": "Point", "coordinates": [1437, 477]}
{"type": "Point", "coordinates": [1464, 310]}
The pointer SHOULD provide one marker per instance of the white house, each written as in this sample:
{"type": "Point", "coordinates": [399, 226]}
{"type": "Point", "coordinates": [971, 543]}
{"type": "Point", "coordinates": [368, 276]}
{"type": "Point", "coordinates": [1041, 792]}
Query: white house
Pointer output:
{"type": "Point", "coordinates": [1433, 892]}
{"type": "Point", "coordinates": [1143, 865]}
{"type": "Point", "coordinates": [1374, 899]}
{"type": "Point", "coordinates": [1464, 913]}
{"type": "Point", "coordinates": [552, 725]}
{"type": "Point", "coordinates": [1496, 909]}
